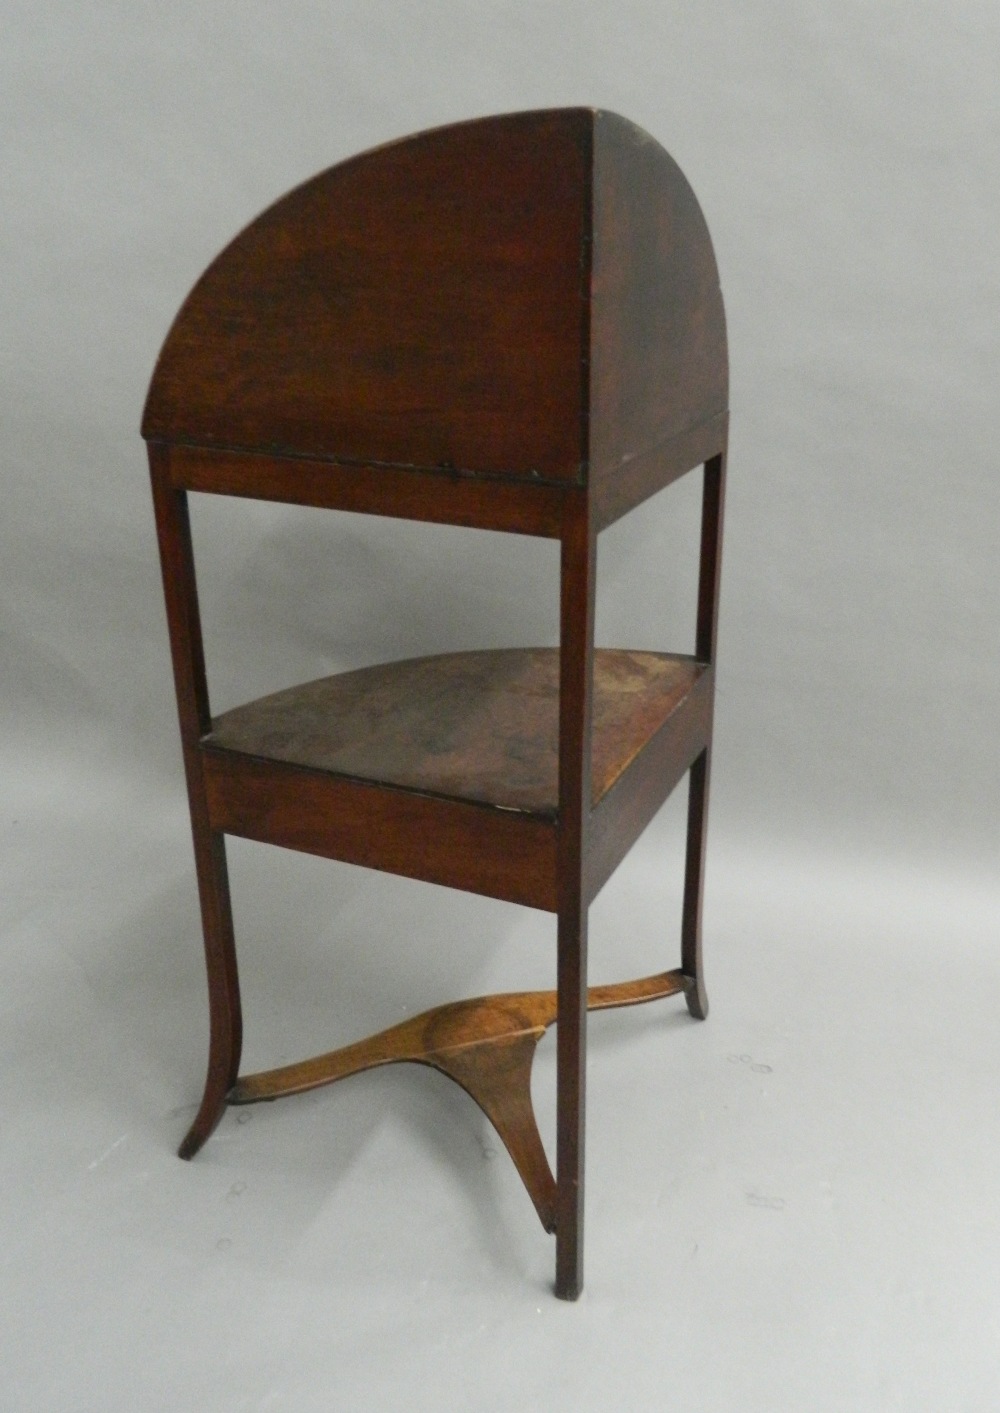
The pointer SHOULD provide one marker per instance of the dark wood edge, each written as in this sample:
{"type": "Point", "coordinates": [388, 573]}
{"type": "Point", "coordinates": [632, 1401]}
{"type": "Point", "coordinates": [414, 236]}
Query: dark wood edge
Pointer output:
{"type": "Point", "coordinates": [713, 504]}
{"type": "Point", "coordinates": [503, 854]}
{"type": "Point", "coordinates": [441, 497]}
{"type": "Point", "coordinates": [180, 591]}
{"type": "Point", "coordinates": [615, 490]}
{"type": "Point", "coordinates": [577, 592]}
{"type": "Point", "coordinates": [630, 804]}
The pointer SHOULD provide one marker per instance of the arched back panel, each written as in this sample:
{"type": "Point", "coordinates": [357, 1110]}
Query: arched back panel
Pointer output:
{"type": "Point", "coordinates": [532, 296]}
{"type": "Point", "coordinates": [419, 305]}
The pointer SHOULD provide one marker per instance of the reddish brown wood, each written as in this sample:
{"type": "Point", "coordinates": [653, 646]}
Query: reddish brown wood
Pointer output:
{"type": "Point", "coordinates": [626, 810]}
{"type": "Point", "coordinates": [181, 594]}
{"type": "Point", "coordinates": [694, 873]}
{"type": "Point", "coordinates": [481, 726]}
{"type": "Point", "coordinates": [512, 324]}
{"type": "Point", "coordinates": [503, 854]}
{"type": "Point", "coordinates": [658, 340]}
{"type": "Point", "coordinates": [578, 580]}
{"type": "Point", "coordinates": [486, 1045]}
{"type": "Point", "coordinates": [619, 489]}
{"type": "Point", "coordinates": [710, 571]}
{"type": "Point", "coordinates": [478, 1022]}
{"type": "Point", "coordinates": [529, 507]}
{"type": "Point", "coordinates": [713, 501]}
{"type": "Point", "coordinates": [418, 305]}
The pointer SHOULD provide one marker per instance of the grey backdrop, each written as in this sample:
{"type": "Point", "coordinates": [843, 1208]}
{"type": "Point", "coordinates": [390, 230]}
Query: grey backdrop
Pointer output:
{"type": "Point", "coordinates": [847, 158]}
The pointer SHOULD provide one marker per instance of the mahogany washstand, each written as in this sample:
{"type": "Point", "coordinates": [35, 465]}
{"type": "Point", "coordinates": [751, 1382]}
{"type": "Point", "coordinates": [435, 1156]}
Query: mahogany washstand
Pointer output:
{"type": "Point", "coordinates": [513, 323]}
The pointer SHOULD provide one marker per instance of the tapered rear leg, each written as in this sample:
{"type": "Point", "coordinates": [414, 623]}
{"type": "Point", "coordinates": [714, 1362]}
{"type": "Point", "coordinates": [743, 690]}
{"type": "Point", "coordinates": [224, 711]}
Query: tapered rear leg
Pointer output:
{"type": "Point", "coordinates": [694, 877]}
{"type": "Point", "coordinates": [225, 1017]}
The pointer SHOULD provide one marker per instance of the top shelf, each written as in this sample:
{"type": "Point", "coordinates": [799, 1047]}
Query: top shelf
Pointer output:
{"type": "Point", "coordinates": [474, 726]}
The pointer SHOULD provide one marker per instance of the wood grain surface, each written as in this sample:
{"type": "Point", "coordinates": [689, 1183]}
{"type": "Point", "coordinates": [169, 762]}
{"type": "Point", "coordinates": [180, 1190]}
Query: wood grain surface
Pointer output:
{"type": "Point", "coordinates": [532, 297]}
{"type": "Point", "coordinates": [419, 305]}
{"type": "Point", "coordinates": [658, 330]}
{"type": "Point", "coordinates": [480, 726]}
{"type": "Point", "coordinates": [486, 1045]}
{"type": "Point", "coordinates": [513, 323]}
{"type": "Point", "coordinates": [500, 853]}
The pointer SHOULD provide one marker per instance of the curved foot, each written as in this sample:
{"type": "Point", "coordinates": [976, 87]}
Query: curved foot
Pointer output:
{"type": "Point", "coordinates": [225, 1039]}
{"type": "Point", "coordinates": [212, 1108]}
{"type": "Point", "coordinates": [696, 996]}
{"type": "Point", "coordinates": [694, 868]}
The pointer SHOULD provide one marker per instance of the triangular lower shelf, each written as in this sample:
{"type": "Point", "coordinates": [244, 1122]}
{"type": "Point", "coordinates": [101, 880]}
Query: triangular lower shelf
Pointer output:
{"type": "Point", "coordinates": [479, 726]}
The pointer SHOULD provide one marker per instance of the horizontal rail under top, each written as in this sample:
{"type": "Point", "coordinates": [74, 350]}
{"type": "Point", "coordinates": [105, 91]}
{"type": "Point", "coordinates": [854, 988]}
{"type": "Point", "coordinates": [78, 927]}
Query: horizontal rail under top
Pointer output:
{"type": "Point", "coordinates": [617, 489]}
{"type": "Point", "coordinates": [443, 497]}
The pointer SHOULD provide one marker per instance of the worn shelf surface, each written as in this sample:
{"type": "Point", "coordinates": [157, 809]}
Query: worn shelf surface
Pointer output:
{"type": "Point", "coordinates": [479, 726]}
